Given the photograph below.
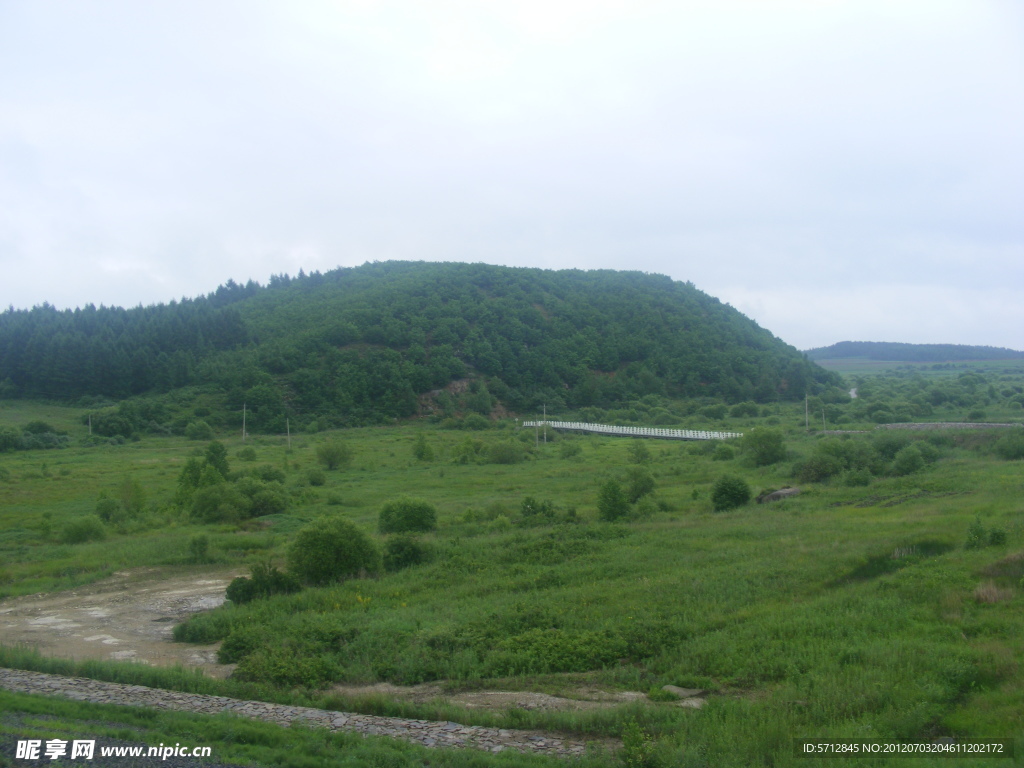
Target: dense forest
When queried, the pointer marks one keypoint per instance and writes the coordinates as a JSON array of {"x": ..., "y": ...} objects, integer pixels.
[
  {"x": 911, "y": 353},
  {"x": 368, "y": 343}
]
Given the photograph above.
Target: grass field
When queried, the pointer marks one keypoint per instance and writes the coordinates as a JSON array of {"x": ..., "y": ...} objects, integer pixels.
[{"x": 849, "y": 611}]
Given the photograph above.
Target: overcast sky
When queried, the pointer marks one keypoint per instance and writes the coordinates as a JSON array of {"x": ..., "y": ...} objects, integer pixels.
[{"x": 833, "y": 169}]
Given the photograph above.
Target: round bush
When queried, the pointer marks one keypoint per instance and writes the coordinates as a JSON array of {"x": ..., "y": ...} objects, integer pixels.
[
  {"x": 407, "y": 515},
  {"x": 83, "y": 530},
  {"x": 332, "y": 549},
  {"x": 404, "y": 551},
  {"x": 907, "y": 461},
  {"x": 316, "y": 476},
  {"x": 729, "y": 492}
]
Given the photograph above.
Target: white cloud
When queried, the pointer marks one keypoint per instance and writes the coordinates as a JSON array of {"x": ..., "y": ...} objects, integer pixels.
[{"x": 753, "y": 148}]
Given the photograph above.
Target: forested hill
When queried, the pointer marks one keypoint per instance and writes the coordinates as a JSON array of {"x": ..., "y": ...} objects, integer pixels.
[
  {"x": 911, "y": 353},
  {"x": 365, "y": 343}
]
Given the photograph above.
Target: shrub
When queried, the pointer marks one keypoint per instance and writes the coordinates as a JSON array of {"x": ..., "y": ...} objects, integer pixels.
[
  {"x": 316, "y": 477},
  {"x": 1011, "y": 445},
  {"x": 107, "y": 509},
  {"x": 569, "y": 449},
  {"x": 247, "y": 454},
  {"x": 421, "y": 450},
  {"x": 764, "y": 445},
  {"x": 218, "y": 503},
  {"x": 332, "y": 549},
  {"x": 404, "y": 551},
  {"x": 856, "y": 477},
  {"x": 714, "y": 412},
  {"x": 818, "y": 468},
  {"x": 996, "y": 537},
  {"x": 266, "y": 580},
  {"x": 504, "y": 453},
  {"x": 611, "y": 503},
  {"x": 199, "y": 549},
  {"x": 199, "y": 430},
  {"x": 532, "y": 509},
  {"x": 639, "y": 453},
  {"x": 744, "y": 409},
  {"x": 639, "y": 483},
  {"x": 82, "y": 530},
  {"x": 977, "y": 536},
  {"x": 723, "y": 452},
  {"x": 216, "y": 456},
  {"x": 908, "y": 461},
  {"x": 334, "y": 454},
  {"x": 475, "y": 421},
  {"x": 729, "y": 492},
  {"x": 406, "y": 515}
]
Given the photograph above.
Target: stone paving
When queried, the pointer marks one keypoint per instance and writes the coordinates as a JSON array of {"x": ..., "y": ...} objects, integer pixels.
[{"x": 429, "y": 733}]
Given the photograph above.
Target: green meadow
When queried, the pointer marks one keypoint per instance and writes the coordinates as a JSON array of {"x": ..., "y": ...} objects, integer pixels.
[{"x": 882, "y": 602}]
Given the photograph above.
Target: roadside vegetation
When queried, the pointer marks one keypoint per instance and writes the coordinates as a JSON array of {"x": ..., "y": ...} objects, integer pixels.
[{"x": 882, "y": 601}]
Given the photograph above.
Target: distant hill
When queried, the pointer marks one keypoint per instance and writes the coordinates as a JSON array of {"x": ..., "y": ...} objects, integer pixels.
[
  {"x": 911, "y": 353},
  {"x": 358, "y": 345}
]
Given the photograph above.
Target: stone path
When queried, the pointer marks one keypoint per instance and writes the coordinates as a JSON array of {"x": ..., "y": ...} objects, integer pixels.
[{"x": 426, "y": 732}]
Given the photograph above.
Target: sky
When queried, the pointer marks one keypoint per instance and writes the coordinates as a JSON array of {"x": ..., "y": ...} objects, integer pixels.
[{"x": 836, "y": 170}]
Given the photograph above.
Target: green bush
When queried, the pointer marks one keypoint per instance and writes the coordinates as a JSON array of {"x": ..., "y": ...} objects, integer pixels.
[
  {"x": 334, "y": 454},
  {"x": 723, "y": 452},
  {"x": 265, "y": 581},
  {"x": 199, "y": 430},
  {"x": 421, "y": 450},
  {"x": 82, "y": 530},
  {"x": 764, "y": 445},
  {"x": 475, "y": 421},
  {"x": 611, "y": 503},
  {"x": 247, "y": 454},
  {"x": 1011, "y": 445},
  {"x": 744, "y": 409},
  {"x": 639, "y": 483},
  {"x": 405, "y": 551},
  {"x": 729, "y": 492},
  {"x": 504, "y": 453},
  {"x": 856, "y": 477},
  {"x": 199, "y": 549},
  {"x": 407, "y": 515},
  {"x": 332, "y": 549},
  {"x": 316, "y": 477},
  {"x": 639, "y": 453},
  {"x": 219, "y": 503},
  {"x": 977, "y": 536},
  {"x": 818, "y": 468},
  {"x": 908, "y": 461},
  {"x": 569, "y": 449},
  {"x": 109, "y": 510}
]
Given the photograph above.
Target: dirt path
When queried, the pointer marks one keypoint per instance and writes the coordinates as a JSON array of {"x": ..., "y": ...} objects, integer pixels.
[{"x": 126, "y": 617}]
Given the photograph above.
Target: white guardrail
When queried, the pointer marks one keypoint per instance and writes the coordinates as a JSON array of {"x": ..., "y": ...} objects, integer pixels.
[{"x": 654, "y": 432}]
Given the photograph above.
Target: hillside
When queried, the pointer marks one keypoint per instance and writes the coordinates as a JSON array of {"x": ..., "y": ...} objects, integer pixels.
[
  {"x": 911, "y": 353},
  {"x": 367, "y": 343}
]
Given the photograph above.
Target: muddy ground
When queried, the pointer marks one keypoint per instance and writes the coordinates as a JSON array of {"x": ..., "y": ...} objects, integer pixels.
[{"x": 128, "y": 616}]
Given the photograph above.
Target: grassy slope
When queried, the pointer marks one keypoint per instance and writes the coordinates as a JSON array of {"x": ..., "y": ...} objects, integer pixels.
[{"x": 764, "y": 604}]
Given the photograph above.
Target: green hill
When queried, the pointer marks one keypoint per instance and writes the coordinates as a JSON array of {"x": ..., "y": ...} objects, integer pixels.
[
  {"x": 911, "y": 353},
  {"x": 365, "y": 344}
]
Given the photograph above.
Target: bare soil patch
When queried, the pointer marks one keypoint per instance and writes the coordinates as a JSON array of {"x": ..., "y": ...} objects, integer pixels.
[{"x": 127, "y": 617}]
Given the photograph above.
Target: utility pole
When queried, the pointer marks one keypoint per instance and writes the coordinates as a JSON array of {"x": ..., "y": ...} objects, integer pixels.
[
  {"x": 545, "y": 423},
  {"x": 90, "y": 425},
  {"x": 288, "y": 429},
  {"x": 243, "y": 422},
  {"x": 807, "y": 417},
  {"x": 823, "y": 418}
]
